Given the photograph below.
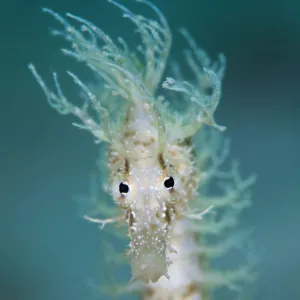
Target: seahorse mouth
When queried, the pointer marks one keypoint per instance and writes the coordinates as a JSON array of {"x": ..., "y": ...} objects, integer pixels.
[
  {"x": 149, "y": 266},
  {"x": 148, "y": 251}
]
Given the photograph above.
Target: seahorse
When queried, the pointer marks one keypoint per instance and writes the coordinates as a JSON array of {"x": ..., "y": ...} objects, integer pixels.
[{"x": 160, "y": 158}]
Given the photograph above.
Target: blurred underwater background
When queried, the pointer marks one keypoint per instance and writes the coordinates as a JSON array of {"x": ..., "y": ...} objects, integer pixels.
[{"x": 47, "y": 250}]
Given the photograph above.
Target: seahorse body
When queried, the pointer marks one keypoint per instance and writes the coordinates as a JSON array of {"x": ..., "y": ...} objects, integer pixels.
[
  {"x": 160, "y": 167},
  {"x": 160, "y": 180}
]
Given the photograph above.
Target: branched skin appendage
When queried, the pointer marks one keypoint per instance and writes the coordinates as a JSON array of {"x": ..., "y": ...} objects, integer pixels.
[{"x": 159, "y": 173}]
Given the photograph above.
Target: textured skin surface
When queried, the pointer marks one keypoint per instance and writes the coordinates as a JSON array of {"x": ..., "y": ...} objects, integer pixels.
[{"x": 185, "y": 271}]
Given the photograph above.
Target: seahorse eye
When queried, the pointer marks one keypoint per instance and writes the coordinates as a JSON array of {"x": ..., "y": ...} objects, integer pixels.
[
  {"x": 123, "y": 188},
  {"x": 169, "y": 182}
]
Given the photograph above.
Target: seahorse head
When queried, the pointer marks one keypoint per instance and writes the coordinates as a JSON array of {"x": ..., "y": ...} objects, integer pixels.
[{"x": 149, "y": 188}]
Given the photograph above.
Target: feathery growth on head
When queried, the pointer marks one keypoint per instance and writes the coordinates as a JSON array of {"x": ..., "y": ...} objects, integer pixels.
[{"x": 156, "y": 171}]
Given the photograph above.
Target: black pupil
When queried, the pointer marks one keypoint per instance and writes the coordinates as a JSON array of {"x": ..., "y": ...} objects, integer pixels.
[
  {"x": 169, "y": 183},
  {"x": 123, "y": 188}
]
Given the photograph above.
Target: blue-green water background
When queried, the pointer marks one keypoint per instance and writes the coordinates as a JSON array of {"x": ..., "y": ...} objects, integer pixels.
[{"x": 47, "y": 251}]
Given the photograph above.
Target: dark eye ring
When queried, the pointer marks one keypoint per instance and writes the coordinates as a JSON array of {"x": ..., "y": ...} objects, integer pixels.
[
  {"x": 169, "y": 182},
  {"x": 123, "y": 188}
]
